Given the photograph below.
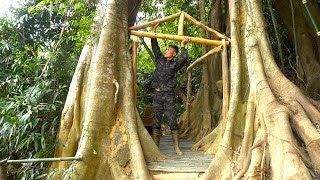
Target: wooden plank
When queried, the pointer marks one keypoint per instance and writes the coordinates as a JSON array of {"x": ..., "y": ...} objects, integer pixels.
[{"x": 189, "y": 162}]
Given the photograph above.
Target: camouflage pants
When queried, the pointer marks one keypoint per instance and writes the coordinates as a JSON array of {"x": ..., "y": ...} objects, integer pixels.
[{"x": 164, "y": 104}]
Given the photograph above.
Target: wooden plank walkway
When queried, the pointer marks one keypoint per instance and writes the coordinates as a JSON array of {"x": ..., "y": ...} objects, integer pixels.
[{"x": 189, "y": 162}]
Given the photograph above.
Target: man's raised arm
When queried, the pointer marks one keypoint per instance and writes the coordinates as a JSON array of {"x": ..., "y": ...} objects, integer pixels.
[
  {"x": 184, "y": 54},
  {"x": 155, "y": 46}
]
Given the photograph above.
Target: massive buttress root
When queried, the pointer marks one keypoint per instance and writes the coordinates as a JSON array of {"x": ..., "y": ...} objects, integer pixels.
[
  {"x": 272, "y": 127},
  {"x": 99, "y": 121}
]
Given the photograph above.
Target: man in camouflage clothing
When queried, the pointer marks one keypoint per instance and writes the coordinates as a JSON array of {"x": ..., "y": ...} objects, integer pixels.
[{"x": 164, "y": 83}]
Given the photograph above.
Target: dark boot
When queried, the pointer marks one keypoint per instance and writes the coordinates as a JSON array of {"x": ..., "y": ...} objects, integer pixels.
[
  {"x": 156, "y": 136},
  {"x": 175, "y": 137}
]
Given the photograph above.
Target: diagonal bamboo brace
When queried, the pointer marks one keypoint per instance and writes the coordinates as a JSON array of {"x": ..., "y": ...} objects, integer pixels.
[
  {"x": 204, "y": 27},
  {"x": 176, "y": 37},
  {"x": 204, "y": 57},
  {"x": 154, "y": 22}
]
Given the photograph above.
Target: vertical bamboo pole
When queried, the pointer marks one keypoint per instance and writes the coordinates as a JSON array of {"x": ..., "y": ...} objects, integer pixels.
[
  {"x": 180, "y": 26},
  {"x": 188, "y": 98},
  {"x": 134, "y": 67},
  {"x": 225, "y": 78}
]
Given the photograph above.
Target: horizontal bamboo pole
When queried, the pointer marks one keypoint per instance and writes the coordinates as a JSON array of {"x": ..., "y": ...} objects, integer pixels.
[
  {"x": 42, "y": 160},
  {"x": 204, "y": 57},
  {"x": 176, "y": 37},
  {"x": 180, "y": 26},
  {"x": 154, "y": 22},
  {"x": 204, "y": 27}
]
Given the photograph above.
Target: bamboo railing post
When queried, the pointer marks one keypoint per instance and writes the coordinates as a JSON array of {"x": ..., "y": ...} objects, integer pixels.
[
  {"x": 180, "y": 26},
  {"x": 134, "y": 67},
  {"x": 189, "y": 88},
  {"x": 177, "y": 38},
  {"x": 225, "y": 79},
  {"x": 154, "y": 22}
]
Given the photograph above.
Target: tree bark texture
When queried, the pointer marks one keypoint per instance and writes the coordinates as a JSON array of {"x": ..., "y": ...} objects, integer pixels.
[
  {"x": 99, "y": 121},
  {"x": 308, "y": 43},
  {"x": 272, "y": 128}
]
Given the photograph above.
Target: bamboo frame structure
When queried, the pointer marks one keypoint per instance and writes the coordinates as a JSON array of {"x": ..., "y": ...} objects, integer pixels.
[
  {"x": 189, "y": 70},
  {"x": 204, "y": 57},
  {"x": 204, "y": 27},
  {"x": 154, "y": 22},
  {"x": 225, "y": 81},
  {"x": 183, "y": 16},
  {"x": 180, "y": 26},
  {"x": 222, "y": 45},
  {"x": 176, "y": 37},
  {"x": 134, "y": 66}
]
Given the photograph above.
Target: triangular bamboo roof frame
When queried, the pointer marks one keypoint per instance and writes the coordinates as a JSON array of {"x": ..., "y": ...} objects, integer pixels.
[{"x": 179, "y": 37}]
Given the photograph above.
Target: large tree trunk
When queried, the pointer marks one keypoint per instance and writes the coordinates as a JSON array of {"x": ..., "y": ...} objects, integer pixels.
[
  {"x": 270, "y": 120},
  {"x": 99, "y": 121}
]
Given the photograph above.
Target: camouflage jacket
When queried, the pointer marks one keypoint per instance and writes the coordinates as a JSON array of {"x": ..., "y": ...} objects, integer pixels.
[{"x": 164, "y": 77}]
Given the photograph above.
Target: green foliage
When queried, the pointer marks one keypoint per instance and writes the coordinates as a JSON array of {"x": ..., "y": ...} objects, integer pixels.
[
  {"x": 287, "y": 45},
  {"x": 39, "y": 49}
]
